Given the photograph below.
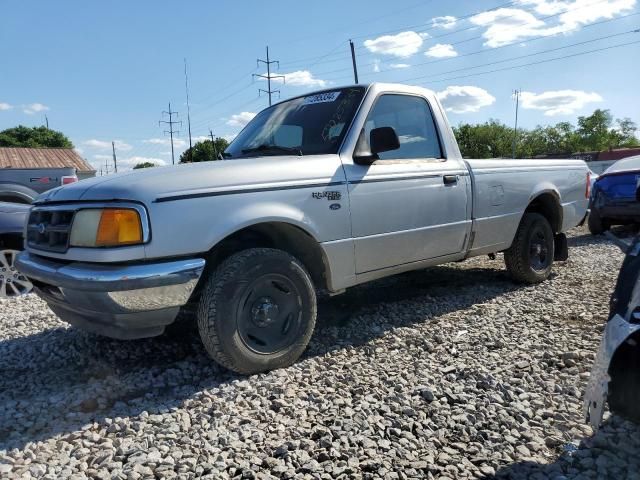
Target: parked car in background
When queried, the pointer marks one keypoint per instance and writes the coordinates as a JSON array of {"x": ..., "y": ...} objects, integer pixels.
[
  {"x": 615, "y": 376},
  {"x": 23, "y": 185},
  {"x": 322, "y": 191},
  {"x": 12, "y": 219},
  {"x": 613, "y": 198}
]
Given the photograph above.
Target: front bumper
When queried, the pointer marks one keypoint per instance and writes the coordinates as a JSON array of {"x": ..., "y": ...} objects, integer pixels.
[
  {"x": 616, "y": 332},
  {"x": 123, "y": 301}
]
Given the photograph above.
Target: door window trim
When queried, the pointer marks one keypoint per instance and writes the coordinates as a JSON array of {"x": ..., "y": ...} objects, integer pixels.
[{"x": 443, "y": 152}]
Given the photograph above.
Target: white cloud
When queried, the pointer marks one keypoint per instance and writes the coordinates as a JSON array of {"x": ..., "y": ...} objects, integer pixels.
[
  {"x": 399, "y": 65},
  {"x": 376, "y": 65},
  {"x": 558, "y": 102},
  {"x": 240, "y": 119},
  {"x": 103, "y": 157},
  {"x": 105, "y": 145},
  {"x": 32, "y": 108},
  {"x": 79, "y": 150},
  {"x": 402, "y": 45},
  {"x": 303, "y": 78},
  {"x": 299, "y": 78},
  {"x": 201, "y": 138},
  {"x": 446, "y": 22},
  {"x": 509, "y": 25},
  {"x": 441, "y": 50},
  {"x": 125, "y": 164},
  {"x": 229, "y": 137},
  {"x": 177, "y": 142},
  {"x": 465, "y": 99},
  {"x": 5, "y": 106}
]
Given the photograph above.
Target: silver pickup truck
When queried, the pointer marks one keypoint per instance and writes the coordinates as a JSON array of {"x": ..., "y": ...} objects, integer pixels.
[
  {"x": 317, "y": 193},
  {"x": 23, "y": 185}
]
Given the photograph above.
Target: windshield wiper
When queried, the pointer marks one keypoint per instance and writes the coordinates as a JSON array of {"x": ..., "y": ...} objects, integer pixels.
[{"x": 273, "y": 148}]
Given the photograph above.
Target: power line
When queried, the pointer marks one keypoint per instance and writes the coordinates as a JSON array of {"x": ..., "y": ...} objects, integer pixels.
[
  {"x": 519, "y": 57},
  {"x": 268, "y": 76},
  {"x": 171, "y": 131},
  {"x": 537, "y": 63},
  {"x": 491, "y": 49},
  {"x": 517, "y": 42}
]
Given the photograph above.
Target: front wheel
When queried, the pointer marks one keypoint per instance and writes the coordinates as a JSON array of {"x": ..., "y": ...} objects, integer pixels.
[
  {"x": 258, "y": 311},
  {"x": 530, "y": 257}
]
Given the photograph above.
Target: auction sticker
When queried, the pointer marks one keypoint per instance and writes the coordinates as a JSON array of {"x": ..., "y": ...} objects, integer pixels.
[{"x": 321, "y": 98}]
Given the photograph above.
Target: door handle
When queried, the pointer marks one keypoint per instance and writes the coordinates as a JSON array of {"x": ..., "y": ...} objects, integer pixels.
[{"x": 450, "y": 179}]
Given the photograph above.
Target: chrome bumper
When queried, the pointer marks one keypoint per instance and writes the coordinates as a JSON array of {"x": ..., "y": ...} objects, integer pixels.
[
  {"x": 616, "y": 332},
  {"x": 122, "y": 300}
]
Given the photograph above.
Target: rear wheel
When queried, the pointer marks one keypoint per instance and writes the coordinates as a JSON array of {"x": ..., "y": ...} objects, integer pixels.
[
  {"x": 596, "y": 224},
  {"x": 258, "y": 311},
  {"x": 530, "y": 257}
]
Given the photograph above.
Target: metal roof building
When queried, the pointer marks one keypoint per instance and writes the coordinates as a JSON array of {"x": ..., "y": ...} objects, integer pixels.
[{"x": 18, "y": 157}]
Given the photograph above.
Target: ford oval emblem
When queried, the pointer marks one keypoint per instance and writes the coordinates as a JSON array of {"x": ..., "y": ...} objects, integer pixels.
[
  {"x": 41, "y": 228},
  {"x": 335, "y": 206}
]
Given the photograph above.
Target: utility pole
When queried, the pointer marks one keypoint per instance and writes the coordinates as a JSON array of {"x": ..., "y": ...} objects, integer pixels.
[
  {"x": 46, "y": 120},
  {"x": 115, "y": 160},
  {"x": 186, "y": 88},
  {"x": 353, "y": 60},
  {"x": 268, "y": 76},
  {"x": 171, "y": 131},
  {"x": 213, "y": 142},
  {"x": 106, "y": 166},
  {"x": 516, "y": 93}
]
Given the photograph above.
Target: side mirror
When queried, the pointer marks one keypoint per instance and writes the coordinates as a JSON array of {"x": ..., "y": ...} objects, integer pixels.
[{"x": 381, "y": 139}]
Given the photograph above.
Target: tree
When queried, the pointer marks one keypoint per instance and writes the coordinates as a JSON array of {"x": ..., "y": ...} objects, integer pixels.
[
  {"x": 144, "y": 165},
  {"x": 34, "y": 137},
  {"x": 204, "y": 151},
  {"x": 491, "y": 139}
]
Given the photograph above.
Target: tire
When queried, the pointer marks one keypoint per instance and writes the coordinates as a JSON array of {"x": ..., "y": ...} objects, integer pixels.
[
  {"x": 530, "y": 257},
  {"x": 257, "y": 311},
  {"x": 12, "y": 282},
  {"x": 595, "y": 223}
]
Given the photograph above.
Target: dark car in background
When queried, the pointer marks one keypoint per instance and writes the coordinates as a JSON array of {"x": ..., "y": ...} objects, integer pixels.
[
  {"x": 613, "y": 199},
  {"x": 12, "y": 219}
]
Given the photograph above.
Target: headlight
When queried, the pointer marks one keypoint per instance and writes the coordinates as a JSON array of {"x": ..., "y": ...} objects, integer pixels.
[{"x": 106, "y": 227}]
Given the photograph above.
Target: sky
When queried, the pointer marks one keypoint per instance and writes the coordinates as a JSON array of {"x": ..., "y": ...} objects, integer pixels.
[{"x": 103, "y": 72}]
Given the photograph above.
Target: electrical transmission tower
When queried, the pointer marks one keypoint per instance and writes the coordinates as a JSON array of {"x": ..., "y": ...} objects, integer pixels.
[
  {"x": 268, "y": 76},
  {"x": 171, "y": 131}
]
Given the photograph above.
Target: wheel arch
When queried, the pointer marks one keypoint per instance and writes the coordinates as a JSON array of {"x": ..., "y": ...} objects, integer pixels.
[
  {"x": 281, "y": 235},
  {"x": 16, "y": 193},
  {"x": 547, "y": 203}
]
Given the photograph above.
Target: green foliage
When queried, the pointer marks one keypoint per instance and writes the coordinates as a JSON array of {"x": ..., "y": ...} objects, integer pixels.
[
  {"x": 593, "y": 133},
  {"x": 35, "y": 137},
  {"x": 144, "y": 165},
  {"x": 204, "y": 151}
]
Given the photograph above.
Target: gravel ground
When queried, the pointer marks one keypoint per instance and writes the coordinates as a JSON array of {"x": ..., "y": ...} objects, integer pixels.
[{"x": 453, "y": 372}]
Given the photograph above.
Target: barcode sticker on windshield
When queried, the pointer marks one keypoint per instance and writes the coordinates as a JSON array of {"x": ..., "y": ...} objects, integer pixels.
[{"x": 321, "y": 98}]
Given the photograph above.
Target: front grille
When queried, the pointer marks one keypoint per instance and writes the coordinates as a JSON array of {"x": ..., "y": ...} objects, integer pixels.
[{"x": 49, "y": 229}]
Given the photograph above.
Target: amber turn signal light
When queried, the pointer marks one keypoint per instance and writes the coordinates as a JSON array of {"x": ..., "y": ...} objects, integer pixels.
[{"x": 118, "y": 226}]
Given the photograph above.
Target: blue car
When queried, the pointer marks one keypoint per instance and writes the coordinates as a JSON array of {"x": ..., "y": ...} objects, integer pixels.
[{"x": 613, "y": 199}]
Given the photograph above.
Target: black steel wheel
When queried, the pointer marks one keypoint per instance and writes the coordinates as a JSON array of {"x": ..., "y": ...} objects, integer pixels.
[
  {"x": 530, "y": 257},
  {"x": 257, "y": 311}
]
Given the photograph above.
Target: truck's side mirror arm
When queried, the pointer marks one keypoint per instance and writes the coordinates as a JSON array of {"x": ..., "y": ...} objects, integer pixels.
[{"x": 381, "y": 139}]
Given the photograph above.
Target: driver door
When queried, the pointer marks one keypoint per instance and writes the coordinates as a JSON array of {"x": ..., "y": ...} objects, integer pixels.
[{"x": 411, "y": 204}]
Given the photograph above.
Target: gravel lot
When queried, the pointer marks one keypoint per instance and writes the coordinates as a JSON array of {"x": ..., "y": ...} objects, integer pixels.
[{"x": 453, "y": 372}]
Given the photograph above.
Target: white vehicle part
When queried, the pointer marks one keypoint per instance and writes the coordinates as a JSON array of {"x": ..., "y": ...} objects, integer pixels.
[{"x": 615, "y": 334}]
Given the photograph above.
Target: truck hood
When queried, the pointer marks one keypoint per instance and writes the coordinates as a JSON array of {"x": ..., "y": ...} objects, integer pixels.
[{"x": 149, "y": 184}]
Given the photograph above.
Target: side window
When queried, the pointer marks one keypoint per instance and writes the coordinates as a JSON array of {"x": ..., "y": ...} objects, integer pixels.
[{"x": 412, "y": 121}]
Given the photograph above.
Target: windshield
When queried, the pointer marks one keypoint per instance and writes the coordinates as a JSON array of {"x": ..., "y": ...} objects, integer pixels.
[{"x": 311, "y": 125}]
